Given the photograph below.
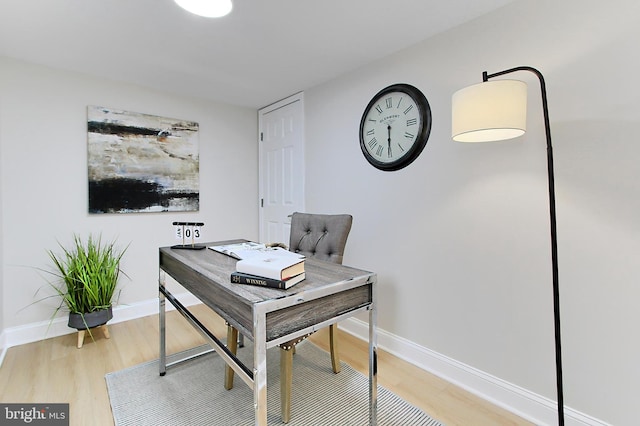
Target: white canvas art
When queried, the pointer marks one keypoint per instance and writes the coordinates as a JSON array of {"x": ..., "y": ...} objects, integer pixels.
[{"x": 141, "y": 163}]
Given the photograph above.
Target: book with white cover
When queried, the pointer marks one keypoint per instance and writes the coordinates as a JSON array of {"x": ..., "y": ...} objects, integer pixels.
[{"x": 275, "y": 263}]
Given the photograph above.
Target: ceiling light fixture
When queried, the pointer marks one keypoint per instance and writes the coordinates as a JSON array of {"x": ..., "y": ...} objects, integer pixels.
[{"x": 206, "y": 8}]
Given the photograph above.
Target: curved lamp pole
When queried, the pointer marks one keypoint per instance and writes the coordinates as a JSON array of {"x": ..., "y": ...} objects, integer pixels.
[{"x": 492, "y": 111}]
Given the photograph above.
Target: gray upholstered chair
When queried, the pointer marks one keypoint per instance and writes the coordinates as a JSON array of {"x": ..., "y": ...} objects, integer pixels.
[{"x": 323, "y": 237}]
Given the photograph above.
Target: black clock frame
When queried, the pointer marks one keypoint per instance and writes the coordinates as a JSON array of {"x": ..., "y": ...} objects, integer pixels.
[{"x": 423, "y": 134}]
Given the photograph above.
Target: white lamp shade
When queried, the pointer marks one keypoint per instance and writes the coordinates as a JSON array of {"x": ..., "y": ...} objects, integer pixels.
[
  {"x": 489, "y": 111},
  {"x": 206, "y": 8}
]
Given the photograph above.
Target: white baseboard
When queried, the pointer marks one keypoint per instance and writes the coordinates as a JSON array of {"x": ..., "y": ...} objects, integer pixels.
[
  {"x": 3, "y": 346},
  {"x": 526, "y": 404},
  {"x": 34, "y": 332}
]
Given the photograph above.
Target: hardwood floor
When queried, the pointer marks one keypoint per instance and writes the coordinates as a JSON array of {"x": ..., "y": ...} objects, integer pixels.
[{"x": 54, "y": 370}]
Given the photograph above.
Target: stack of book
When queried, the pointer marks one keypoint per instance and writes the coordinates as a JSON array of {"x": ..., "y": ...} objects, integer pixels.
[{"x": 269, "y": 267}]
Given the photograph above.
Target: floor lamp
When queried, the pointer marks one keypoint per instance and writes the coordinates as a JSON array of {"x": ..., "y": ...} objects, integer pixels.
[{"x": 497, "y": 110}]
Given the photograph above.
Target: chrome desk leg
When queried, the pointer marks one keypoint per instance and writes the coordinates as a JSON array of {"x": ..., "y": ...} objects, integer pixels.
[
  {"x": 162, "y": 319},
  {"x": 373, "y": 363},
  {"x": 260, "y": 365}
]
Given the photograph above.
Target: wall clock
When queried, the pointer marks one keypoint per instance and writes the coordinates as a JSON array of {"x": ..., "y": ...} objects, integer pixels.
[{"x": 395, "y": 127}]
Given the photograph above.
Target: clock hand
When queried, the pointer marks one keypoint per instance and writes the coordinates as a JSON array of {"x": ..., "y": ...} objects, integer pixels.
[{"x": 389, "y": 140}]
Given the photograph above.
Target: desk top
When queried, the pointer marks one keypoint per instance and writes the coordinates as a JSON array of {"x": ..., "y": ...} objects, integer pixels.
[{"x": 206, "y": 274}]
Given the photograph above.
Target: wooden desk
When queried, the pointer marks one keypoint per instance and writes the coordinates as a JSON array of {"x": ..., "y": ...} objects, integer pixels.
[{"x": 268, "y": 317}]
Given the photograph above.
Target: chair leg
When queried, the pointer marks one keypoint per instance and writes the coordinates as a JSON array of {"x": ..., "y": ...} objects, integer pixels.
[
  {"x": 333, "y": 342},
  {"x": 232, "y": 344},
  {"x": 286, "y": 366}
]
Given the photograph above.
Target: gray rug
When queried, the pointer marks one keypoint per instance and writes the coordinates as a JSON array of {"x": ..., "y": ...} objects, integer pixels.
[{"x": 193, "y": 394}]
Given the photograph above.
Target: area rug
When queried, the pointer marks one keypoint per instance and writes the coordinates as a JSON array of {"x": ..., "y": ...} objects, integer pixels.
[{"x": 193, "y": 394}]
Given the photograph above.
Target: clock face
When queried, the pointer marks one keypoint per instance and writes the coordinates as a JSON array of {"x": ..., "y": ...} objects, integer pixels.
[{"x": 395, "y": 127}]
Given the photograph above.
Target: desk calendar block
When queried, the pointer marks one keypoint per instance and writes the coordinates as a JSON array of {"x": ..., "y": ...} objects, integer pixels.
[{"x": 188, "y": 233}]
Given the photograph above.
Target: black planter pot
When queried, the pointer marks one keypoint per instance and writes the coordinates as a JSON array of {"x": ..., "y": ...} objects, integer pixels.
[{"x": 92, "y": 319}]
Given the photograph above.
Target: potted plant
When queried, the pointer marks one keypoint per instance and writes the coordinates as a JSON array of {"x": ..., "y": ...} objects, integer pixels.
[{"x": 87, "y": 278}]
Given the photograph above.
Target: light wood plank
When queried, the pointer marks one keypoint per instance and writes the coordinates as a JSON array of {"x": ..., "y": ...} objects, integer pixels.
[
  {"x": 437, "y": 397},
  {"x": 54, "y": 370}
]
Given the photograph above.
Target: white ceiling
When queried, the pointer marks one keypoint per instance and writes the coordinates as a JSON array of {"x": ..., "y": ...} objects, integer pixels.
[{"x": 263, "y": 51}]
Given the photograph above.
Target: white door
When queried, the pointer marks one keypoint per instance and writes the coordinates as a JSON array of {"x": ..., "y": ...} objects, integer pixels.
[{"x": 281, "y": 168}]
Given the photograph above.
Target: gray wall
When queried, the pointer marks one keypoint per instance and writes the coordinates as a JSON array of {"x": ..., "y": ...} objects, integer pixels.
[
  {"x": 460, "y": 238},
  {"x": 44, "y": 179},
  {"x": 2, "y": 343}
]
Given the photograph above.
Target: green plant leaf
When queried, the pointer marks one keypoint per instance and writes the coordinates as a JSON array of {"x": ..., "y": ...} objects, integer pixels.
[{"x": 87, "y": 274}]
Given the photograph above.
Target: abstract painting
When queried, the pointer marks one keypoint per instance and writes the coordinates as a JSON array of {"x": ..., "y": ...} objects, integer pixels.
[{"x": 141, "y": 163}]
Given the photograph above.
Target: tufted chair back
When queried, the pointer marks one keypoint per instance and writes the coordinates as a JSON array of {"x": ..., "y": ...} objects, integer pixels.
[{"x": 321, "y": 236}]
